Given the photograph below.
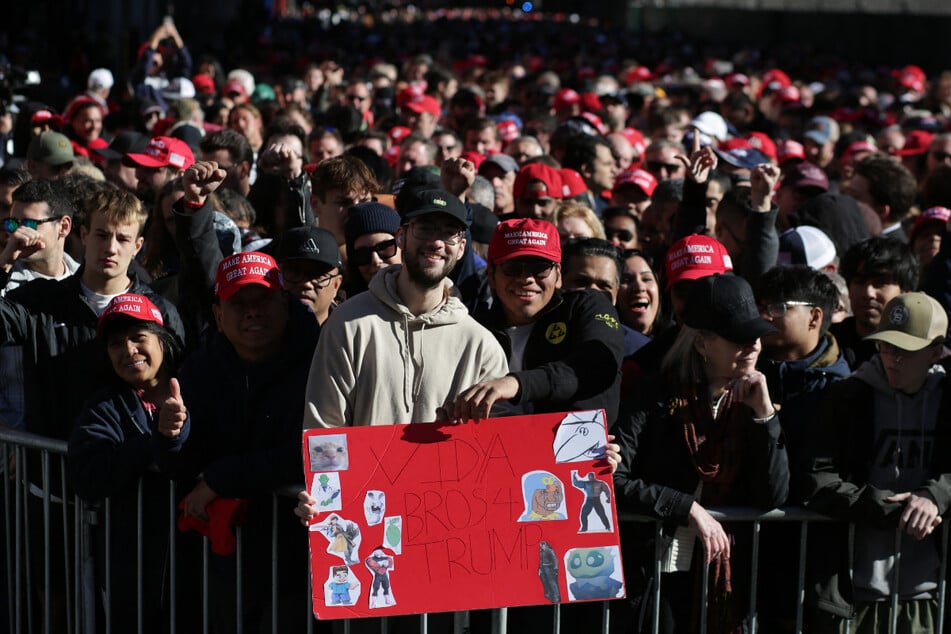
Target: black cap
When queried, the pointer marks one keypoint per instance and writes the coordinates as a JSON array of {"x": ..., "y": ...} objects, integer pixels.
[
  {"x": 126, "y": 142},
  {"x": 309, "y": 243},
  {"x": 418, "y": 201},
  {"x": 724, "y": 305}
]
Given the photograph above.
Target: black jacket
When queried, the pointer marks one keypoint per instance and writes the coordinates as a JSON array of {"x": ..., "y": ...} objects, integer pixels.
[
  {"x": 574, "y": 354},
  {"x": 62, "y": 361},
  {"x": 244, "y": 426}
]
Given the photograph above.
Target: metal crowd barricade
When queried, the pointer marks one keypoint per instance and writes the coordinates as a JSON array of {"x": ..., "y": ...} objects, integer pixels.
[{"x": 83, "y": 610}]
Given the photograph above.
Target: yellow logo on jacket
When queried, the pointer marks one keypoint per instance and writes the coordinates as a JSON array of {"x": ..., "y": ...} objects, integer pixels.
[
  {"x": 556, "y": 332},
  {"x": 607, "y": 320}
]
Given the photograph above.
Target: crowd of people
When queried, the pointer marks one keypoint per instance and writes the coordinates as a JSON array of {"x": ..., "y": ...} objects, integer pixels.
[{"x": 746, "y": 270}]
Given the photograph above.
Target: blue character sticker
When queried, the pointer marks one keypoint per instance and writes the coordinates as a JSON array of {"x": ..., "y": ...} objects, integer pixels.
[
  {"x": 594, "y": 573},
  {"x": 544, "y": 496}
]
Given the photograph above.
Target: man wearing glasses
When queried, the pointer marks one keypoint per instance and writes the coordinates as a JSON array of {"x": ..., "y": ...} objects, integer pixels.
[
  {"x": 40, "y": 219},
  {"x": 565, "y": 348},
  {"x": 801, "y": 358},
  {"x": 403, "y": 350},
  {"x": 310, "y": 263}
]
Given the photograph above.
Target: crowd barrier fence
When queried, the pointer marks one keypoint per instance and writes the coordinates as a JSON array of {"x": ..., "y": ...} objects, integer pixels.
[{"x": 82, "y": 609}]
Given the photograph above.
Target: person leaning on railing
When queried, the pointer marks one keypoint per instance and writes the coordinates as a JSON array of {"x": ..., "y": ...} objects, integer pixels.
[
  {"x": 879, "y": 454},
  {"x": 115, "y": 443},
  {"x": 703, "y": 432}
]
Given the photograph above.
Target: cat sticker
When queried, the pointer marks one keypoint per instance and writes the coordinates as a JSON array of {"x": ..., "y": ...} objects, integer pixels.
[{"x": 328, "y": 453}]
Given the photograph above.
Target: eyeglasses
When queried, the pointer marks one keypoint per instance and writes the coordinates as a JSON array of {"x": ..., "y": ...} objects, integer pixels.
[
  {"x": 425, "y": 231},
  {"x": 298, "y": 272},
  {"x": 325, "y": 280},
  {"x": 623, "y": 235},
  {"x": 538, "y": 269},
  {"x": 362, "y": 256},
  {"x": 779, "y": 309},
  {"x": 11, "y": 224}
]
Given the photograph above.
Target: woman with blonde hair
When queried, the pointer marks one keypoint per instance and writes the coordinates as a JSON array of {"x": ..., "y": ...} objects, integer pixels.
[
  {"x": 702, "y": 433},
  {"x": 576, "y": 220}
]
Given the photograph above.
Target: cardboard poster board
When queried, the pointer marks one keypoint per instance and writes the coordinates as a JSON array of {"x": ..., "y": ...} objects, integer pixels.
[{"x": 440, "y": 517}]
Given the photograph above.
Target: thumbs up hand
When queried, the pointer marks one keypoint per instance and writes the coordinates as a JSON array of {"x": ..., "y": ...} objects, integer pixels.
[{"x": 172, "y": 413}]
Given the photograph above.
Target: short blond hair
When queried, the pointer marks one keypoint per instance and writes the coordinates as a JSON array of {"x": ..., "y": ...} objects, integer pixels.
[
  {"x": 574, "y": 209},
  {"x": 118, "y": 206}
]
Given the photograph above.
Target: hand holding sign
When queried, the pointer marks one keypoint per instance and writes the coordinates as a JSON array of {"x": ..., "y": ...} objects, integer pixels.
[{"x": 172, "y": 413}]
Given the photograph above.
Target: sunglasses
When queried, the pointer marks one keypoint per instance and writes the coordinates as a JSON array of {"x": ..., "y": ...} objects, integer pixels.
[
  {"x": 657, "y": 166},
  {"x": 12, "y": 224},
  {"x": 362, "y": 256},
  {"x": 623, "y": 235},
  {"x": 779, "y": 309},
  {"x": 940, "y": 156},
  {"x": 538, "y": 269}
]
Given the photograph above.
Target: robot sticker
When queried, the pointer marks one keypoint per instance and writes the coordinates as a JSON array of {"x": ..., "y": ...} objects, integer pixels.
[
  {"x": 325, "y": 488},
  {"x": 581, "y": 436},
  {"x": 544, "y": 496},
  {"x": 341, "y": 588},
  {"x": 380, "y": 565},
  {"x": 328, "y": 453},
  {"x": 393, "y": 534},
  {"x": 344, "y": 537},
  {"x": 597, "y": 500},
  {"x": 374, "y": 506},
  {"x": 548, "y": 571},
  {"x": 594, "y": 573}
]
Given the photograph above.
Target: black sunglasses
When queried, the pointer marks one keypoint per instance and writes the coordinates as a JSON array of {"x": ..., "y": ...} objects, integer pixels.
[
  {"x": 623, "y": 235},
  {"x": 364, "y": 255},
  {"x": 12, "y": 224},
  {"x": 538, "y": 269}
]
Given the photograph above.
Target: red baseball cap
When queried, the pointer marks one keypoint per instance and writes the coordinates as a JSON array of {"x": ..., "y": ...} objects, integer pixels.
[
  {"x": 508, "y": 130},
  {"x": 857, "y": 148},
  {"x": 424, "y": 103},
  {"x": 162, "y": 151},
  {"x": 938, "y": 215},
  {"x": 696, "y": 256},
  {"x": 524, "y": 237},
  {"x": 761, "y": 141},
  {"x": 788, "y": 150},
  {"x": 636, "y": 138},
  {"x": 805, "y": 175},
  {"x": 537, "y": 180},
  {"x": 131, "y": 305},
  {"x": 565, "y": 97},
  {"x": 916, "y": 142},
  {"x": 234, "y": 86},
  {"x": 241, "y": 269},
  {"x": 476, "y": 158},
  {"x": 642, "y": 179},
  {"x": 397, "y": 133},
  {"x": 204, "y": 85},
  {"x": 571, "y": 182}
]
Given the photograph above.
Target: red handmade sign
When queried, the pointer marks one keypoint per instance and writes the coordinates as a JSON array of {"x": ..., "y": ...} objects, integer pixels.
[{"x": 439, "y": 517}]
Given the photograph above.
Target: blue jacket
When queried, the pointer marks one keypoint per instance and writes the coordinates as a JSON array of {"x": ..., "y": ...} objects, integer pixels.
[
  {"x": 113, "y": 443},
  {"x": 797, "y": 387}
]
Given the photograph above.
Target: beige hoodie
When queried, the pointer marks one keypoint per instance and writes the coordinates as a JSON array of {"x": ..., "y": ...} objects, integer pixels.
[{"x": 378, "y": 364}]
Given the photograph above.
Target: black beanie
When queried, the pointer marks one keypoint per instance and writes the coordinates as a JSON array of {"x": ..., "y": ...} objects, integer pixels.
[{"x": 371, "y": 217}]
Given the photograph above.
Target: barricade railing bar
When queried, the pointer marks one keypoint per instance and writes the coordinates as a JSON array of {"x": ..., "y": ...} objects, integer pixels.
[{"x": 83, "y": 603}]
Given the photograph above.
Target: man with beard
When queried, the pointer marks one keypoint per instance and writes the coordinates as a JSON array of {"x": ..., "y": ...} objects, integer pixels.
[{"x": 400, "y": 352}]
